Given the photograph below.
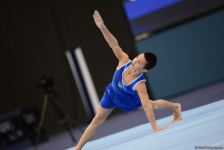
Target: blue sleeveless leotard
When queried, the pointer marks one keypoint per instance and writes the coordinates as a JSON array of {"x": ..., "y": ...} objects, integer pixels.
[{"x": 118, "y": 94}]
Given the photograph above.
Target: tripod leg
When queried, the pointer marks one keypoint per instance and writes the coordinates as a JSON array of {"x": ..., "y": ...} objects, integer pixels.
[
  {"x": 62, "y": 117},
  {"x": 43, "y": 112}
]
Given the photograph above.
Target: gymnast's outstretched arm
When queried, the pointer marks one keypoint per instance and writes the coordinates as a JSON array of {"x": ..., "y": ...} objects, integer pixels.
[{"x": 111, "y": 40}]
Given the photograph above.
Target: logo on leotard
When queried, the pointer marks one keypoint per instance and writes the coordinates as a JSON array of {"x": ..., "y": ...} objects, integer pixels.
[{"x": 120, "y": 85}]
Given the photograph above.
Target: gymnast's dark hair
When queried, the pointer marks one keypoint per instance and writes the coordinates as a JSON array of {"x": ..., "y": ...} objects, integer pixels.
[{"x": 151, "y": 60}]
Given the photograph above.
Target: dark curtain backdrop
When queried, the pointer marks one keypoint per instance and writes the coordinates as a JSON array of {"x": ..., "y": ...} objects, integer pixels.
[{"x": 34, "y": 37}]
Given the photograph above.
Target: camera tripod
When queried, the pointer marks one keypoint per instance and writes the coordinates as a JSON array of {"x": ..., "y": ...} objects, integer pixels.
[{"x": 49, "y": 97}]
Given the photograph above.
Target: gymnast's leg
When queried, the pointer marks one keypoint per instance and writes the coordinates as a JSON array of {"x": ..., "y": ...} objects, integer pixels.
[
  {"x": 97, "y": 121},
  {"x": 175, "y": 107}
]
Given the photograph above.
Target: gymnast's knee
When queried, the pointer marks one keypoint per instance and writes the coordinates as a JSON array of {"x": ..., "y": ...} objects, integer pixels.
[
  {"x": 154, "y": 104},
  {"x": 147, "y": 105},
  {"x": 97, "y": 121}
]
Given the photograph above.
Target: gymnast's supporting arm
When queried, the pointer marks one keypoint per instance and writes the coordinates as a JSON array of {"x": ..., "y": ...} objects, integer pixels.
[{"x": 148, "y": 106}]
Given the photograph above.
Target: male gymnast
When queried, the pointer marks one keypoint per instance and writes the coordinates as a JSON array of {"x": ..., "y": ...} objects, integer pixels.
[{"x": 127, "y": 90}]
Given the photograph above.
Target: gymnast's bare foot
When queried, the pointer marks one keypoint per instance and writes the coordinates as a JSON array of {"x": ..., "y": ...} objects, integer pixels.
[{"x": 177, "y": 113}]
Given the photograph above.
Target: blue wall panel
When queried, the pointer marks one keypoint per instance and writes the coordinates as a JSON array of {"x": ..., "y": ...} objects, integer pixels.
[{"x": 189, "y": 56}]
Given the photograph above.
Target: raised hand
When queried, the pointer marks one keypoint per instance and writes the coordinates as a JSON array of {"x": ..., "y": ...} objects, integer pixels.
[{"x": 98, "y": 19}]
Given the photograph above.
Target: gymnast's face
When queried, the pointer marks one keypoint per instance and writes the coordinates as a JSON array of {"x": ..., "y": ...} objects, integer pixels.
[{"x": 139, "y": 63}]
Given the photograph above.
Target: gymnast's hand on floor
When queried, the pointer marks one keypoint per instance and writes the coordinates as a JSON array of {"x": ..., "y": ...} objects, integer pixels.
[
  {"x": 98, "y": 19},
  {"x": 76, "y": 148},
  {"x": 161, "y": 128}
]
